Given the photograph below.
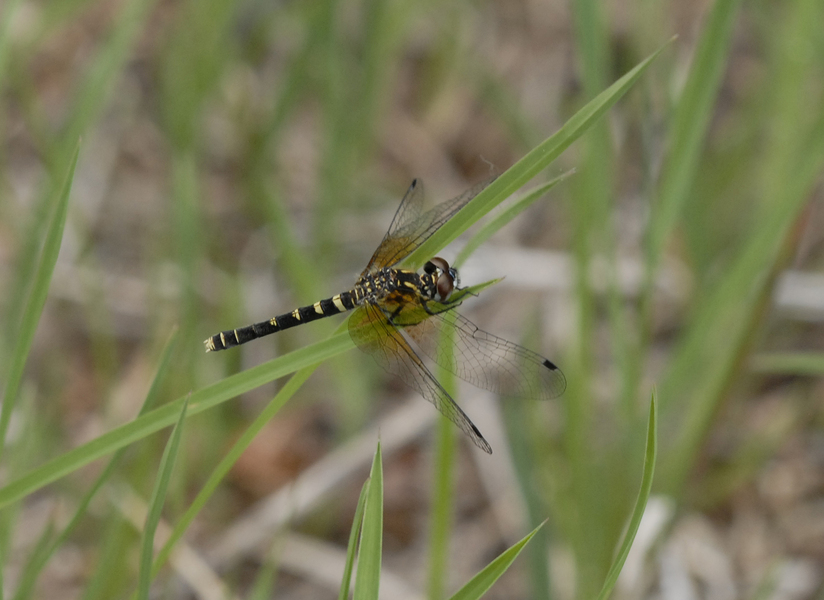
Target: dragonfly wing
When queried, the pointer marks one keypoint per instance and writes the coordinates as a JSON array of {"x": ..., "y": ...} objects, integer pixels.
[
  {"x": 373, "y": 334},
  {"x": 410, "y": 228},
  {"x": 408, "y": 212},
  {"x": 485, "y": 360}
]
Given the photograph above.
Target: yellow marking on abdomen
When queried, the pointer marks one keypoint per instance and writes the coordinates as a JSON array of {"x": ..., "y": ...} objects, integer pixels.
[
  {"x": 337, "y": 302},
  {"x": 273, "y": 321},
  {"x": 296, "y": 314},
  {"x": 317, "y": 308}
]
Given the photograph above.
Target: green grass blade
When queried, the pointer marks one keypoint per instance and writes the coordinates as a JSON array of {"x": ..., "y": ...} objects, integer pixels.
[
  {"x": 531, "y": 164},
  {"x": 591, "y": 41},
  {"x": 527, "y": 438},
  {"x": 443, "y": 502},
  {"x": 443, "y": 493},
  {"x": 38, "y": 557},
  {"x": 167, "y": 463},
  {"x": 263, "y": 586},
  {"x": 114, "y": 571},
  {"x": 789, "y": 363},
  {"x": 490, "y": 228},
  {"x": 33, "y": 569},
  {"x": 95, "y": 87},
  {"x": 231, "y": 457},
  {"x": 352, "y": 547},
  {"x": 37, "y": 299},
  {"x": 691, "y": 120},
  {"x": 368, "y": 577},
  {"x": 725, "y": 318},
  {"x": 480, "y": 584},
  {"x": 166, "y": 415},
  {"x": 6, "y": 18},
  {"x": 650, "y": 454}
]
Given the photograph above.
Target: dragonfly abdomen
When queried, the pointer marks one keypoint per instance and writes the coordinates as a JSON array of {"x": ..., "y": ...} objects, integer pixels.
[{"x": 305, "y": 314}]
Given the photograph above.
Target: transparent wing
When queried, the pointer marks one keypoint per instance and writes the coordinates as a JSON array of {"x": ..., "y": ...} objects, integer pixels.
[
  {"x": 484, "y": 360},
  {"x": 408, "y": 212},
  {"x": 373, "y": 334},
  {"x": 410, "y": 228}
]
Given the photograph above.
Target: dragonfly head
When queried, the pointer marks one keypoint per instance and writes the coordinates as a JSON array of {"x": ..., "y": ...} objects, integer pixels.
[{"x": 446, "y": 277}]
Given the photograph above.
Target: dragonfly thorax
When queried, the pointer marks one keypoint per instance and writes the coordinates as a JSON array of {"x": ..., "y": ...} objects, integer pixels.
[{"x": 437, "y": 282}]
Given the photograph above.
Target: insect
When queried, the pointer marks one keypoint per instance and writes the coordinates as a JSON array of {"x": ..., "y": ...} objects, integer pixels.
[{"x": 397, "y": 310}]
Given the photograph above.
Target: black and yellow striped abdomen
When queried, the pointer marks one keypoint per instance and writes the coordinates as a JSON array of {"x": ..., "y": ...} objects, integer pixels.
[
  {"x": 372, "y": 288},
  {"x": 305, "y": 314}
]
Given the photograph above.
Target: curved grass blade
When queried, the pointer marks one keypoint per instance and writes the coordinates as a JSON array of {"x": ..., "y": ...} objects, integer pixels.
[
  {"x": 480, "y": 584},
  {"x": 201, "y": 400},
  {"x": 650, "y": 454},
  {"x": 723, "y": 319},
  {"x": 39, "y": 560},
  {"x": 231, "y": 457},
  {"x": 690, "y": 122},
  {"x": 167, "y": 463},
  {"x": 352, "y": 547},
  {"x": 166, "y": 415},
  {"x": 37, "y": 299},
  {"x": 368, "y": 577},
  {"x": 530, "y": 165},
  {"x": 41, "y": 553},
  {"x": 506, "y": 216}
]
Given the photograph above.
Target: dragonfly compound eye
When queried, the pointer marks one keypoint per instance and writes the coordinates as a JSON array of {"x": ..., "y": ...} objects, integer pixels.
[
  {"x": 436, "y": 264},
  {"x": 445, "y": 286},
  {"x": 446, "y": 276}
]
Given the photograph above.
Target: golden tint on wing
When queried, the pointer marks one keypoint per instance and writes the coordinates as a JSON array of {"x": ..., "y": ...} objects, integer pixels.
[
  {"x": 390, "y": 248},
  {"x": 373, "y": 334},
  {"x": 394, "y": 243},
  {"x": 405, "y": 307},
  {"x": 409, "y": 228}
]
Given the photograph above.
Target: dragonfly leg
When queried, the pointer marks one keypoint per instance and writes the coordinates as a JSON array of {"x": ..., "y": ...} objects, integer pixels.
[
  {"x": 390, "y": 316},
  {"x": 445, "y": 308}
]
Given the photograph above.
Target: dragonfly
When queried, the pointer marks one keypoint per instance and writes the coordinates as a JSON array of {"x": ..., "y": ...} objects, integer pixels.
[{"x": 400, "y": 314}]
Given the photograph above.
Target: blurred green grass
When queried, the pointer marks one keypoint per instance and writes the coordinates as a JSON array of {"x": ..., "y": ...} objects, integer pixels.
[{"x": 213, "y": 105}]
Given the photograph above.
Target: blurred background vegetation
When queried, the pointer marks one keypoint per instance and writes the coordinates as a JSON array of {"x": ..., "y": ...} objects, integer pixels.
[{"x": 242, "y": 157}]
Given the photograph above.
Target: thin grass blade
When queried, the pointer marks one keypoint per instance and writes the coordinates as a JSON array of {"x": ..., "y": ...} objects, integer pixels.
[
  {"x": 37, "y": 299},
  {"x": 167, "y": 463},
  {"x": 368, "y": 576},
  {"x": 38, "y": 557},
  {"x": 352, "y": 547},
  {"x": 490, "y": 228},
  {"x": 224, "y": 466},
  {"x": 165, "y": 416},
  {"x": 691, "y": 120},
  {"x": 480, "y": 584},
  {"x": 650, "y": 454},
  {"x": 33, "y": 569},
  {"x": 530, "y": 165},
  {"x": 724, "y": 319},
  {"x": 443, "y": 492}
]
